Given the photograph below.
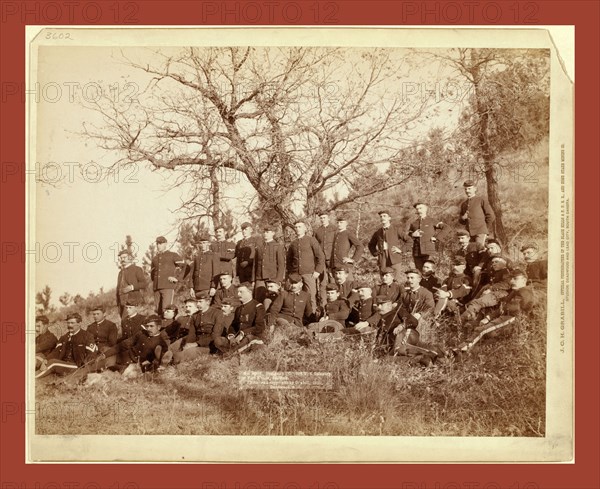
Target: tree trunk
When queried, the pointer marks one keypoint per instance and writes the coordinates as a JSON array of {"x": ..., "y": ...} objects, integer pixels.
[{"x": 215, "y": 208}]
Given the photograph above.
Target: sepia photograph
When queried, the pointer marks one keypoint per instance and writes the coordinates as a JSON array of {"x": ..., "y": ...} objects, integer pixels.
[{"x": 324, "y": 244}]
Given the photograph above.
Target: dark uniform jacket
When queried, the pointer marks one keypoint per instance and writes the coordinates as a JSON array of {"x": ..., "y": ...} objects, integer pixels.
[
  {"x": 431, "y": 282},
  {"x": 175, "y": 329},
  {"x": 45, "y": 343},
  {"x": 105, "y": 333},
  {"x": 481, "y": 215},
  {"x": 141, "y": 347},
  {"x": 459, "y": 285},
  {"x": 499, "y": 279},
  {"x": 325, "y": 237},
  {"x": 337, "y": 310},
  {"x": 394, "y": 237},
  {"x": 245, "y": 253},
  {"x": 164, "y": 265},
  {"x": 471, "y": 255},
  {"x": 131, "y": 275},
  {"x": 131, "y": 325},
  {"x": 305, "y": 256},
  {"x": 348, "y": 291},
  {"x": 79, "y": 348},
  {"x": 342, "y": 244},
  {"x": 225, "y": 250},
  {"x": 516, "y": 302},
  {"x": 204, "y": 271},
  {"x": 270, "y": 261},
  {"x": 249, "y": 318},
  {"x": 537, "y": 272},
  {"x": 391, "y": 291},
  {"x": 412, "y": 301},
  {"x": 385, "y": 325},
  {"x": 363, "y": 311},
  {"x": 208, "y": 325},
  {"x": 293, "y": 307},
  {"x": 430, "y": 228},
  {"x": 229, "y": 293}
]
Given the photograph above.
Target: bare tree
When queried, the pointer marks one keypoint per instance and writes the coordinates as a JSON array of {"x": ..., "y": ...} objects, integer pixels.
[{"x": 295, "y": 123}]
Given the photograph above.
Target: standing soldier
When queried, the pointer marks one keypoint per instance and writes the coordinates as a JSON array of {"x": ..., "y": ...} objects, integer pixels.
[
  {"x": 305, "y": 257},
  {"x": 245, "y": 253},
  {"x": 224, "y": 249},
  {"x": 204, "y": 270},
  {"x": 325, "y": 236},
  {"x": 343, "y": 241},
  {"x": 164, "y": 272},
  {"x": 386, "y": 244},
  {"x": 423, "y": 231},
  {"x": 270, "y": 262},
  {"x": 476, "y": 214},
  {"x": 131, "y": 281}
]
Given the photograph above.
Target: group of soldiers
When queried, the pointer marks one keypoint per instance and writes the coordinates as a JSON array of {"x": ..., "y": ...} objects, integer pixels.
[{"x": 239, "y": 293}]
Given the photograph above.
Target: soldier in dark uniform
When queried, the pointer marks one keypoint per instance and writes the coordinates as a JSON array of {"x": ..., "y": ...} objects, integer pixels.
[
  {"x": 245, "y": 254},
  {"x": 335, "y": 313},
  {"x": 207, "y": 322},
  {"x": 224, "y": 249},
  {"x": 415, "y": 301},
  {"x": 204, "y": 270},
  {"x": 131, "y": 281},
  {"x": 132, "y": 322},
  {"x": 491, "y": 293},
  {"x": 325, "y": 235},
  {"x": 424, "y": 234},
  {"x": 389, "y": 287},
  {"x": 428, "y": 277},
  {"x": 343, "y": 242},
  {"x": 483, "y": 271},
  {"x": 386, "y": 244},
  {"x": 226, "y": 289},
  {"x": 105, "y": 332},
  {"x": 182, "y": 334},
  {"x": 305, "y": 257},
  {"x": 248, "y": 324},
  {"x": 270, "y": 262},
  {"x": 75, "y": 349},
  {"x": 476, "y": 214},
  {"x": 45, "y": 341},
  {"x": 456, "y": 287},
  {"x": 146, "y": 347},
  {"x": 292, "y": 307},
  {"x": 345, "y": 286},
  {"x": 537, "y": 268},
  {"x": 387, "y": 321},
  {"x": 364, "y": 312},
  {"x": 273, "y": 290},
  {"x": 165, "y": 271},
  {"x": 468, "y": 250},
  {"x": 517, "y": 303}
]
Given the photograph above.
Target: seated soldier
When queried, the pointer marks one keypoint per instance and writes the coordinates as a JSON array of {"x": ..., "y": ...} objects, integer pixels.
[
  {"x": 145, "y": 348},
  {"x": 387, "y": 322},
  {"x": 132, "y": 322},
  {"x": 483, "y": 271},
  {"x": 76, "y": 349},
  {"x": 345, "y": 286},
  {"x": 336, "y": 312},
  {"x": 105, "y": 332},
  {"x": 273, "y": 289},
  {"x": 207, "y": 323},
  {"x": 226, "y": 289},
  {"x": 456, "y": 287},
  {"x": 490, "y": 294},
  {"x": 248, "y": 325},
  {"x": 389, "y": 287},
  {"x": 415, "y": 301},
  {"x": 45, "y": 341},
  {"x": 363, "y": 315},
  {"x": 469, "y": 251},
  {"x": 518, "y": 302},
  {"x": 179, "y": 332},
  {"x": 537, "y": 268},
  {"x": 428, "y": 277},
  {"x": 293, "y": 306}
]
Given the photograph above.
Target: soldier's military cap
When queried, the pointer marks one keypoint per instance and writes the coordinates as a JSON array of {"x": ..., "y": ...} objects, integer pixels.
[
  {"x": 419, "y": 203},
  {"x": 247, "y": 285},
  {"x": 153, "y": 318},
  {"x": 74, "y": 315},
  {"x": 518, "y": 273},
  {"x": 131, "y": 302},
  {"x": 322, "y": 212},
  {"x": 246, "y": 225},
  {"x": 469, "y": 183},
  {"x": 300, "y": 221},
  {"x": 385, "y": 211},
  {"x": 203, "y": 238},
  {"x": 227, "y": 301},
  {"x": 341, "y": 269},
  {"x": 459, "y": 260},
  {"x": 342, "y": 218},
  {"x": 463, "y": 232},
  {"x": 382, "y": 299},
  {"x": 161, "y": 239},
  {"x": 388, "y": 270},
  {"x": 295, "y": 278},
  {"x": 43, "y": 319},
  {"x": 363, "y": 285},
  {"x": 499, "y": 258},
  {"x": 171, "y": 307},
  {"x": 412, "y": 270},
  {"x": 331, "y": 287},
  {"x": 271, "y": 281},
  {"x": 225, "y": 273},
  {"x": 269, "y": 228},
  {"x": 492, "y": 241},
  {"x": 528, "y": 246},
  {"x": 202, "y": 295},
  {"x": 429, "y": 260}
]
